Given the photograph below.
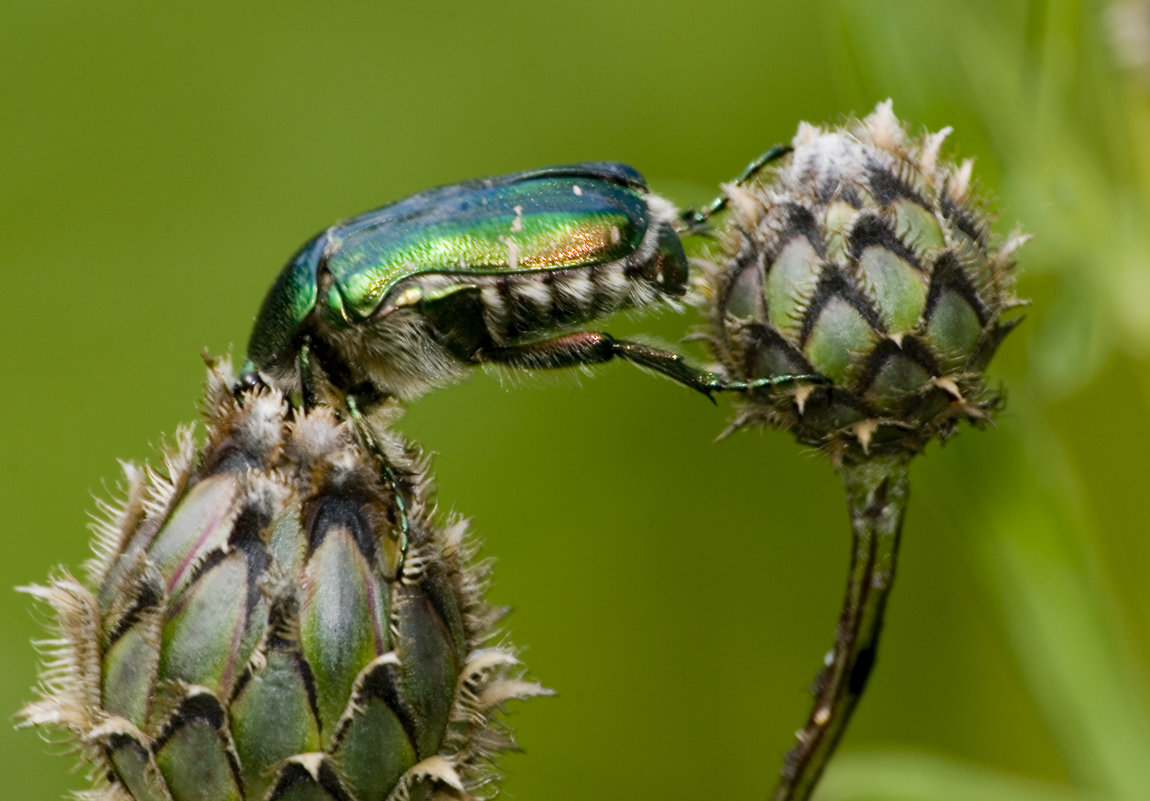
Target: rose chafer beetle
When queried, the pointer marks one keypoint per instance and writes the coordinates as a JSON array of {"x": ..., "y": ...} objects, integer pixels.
[
  {"x": 399, "y": 300},
  {"x": 402, "y": 299}
]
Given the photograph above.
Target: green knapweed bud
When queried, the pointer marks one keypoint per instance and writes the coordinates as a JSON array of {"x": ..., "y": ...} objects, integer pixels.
[
  {"x": 865, "y": 258},
  {"x": 247, "y": 631}
]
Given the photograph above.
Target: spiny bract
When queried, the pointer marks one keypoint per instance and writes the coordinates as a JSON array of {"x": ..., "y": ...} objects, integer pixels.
[
  {"x": 863, "y": 258},
  {"x": 251, "y": 635}
]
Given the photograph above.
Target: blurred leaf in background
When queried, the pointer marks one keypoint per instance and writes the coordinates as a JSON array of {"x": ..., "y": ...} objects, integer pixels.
[{"x": 161, "y": 161}]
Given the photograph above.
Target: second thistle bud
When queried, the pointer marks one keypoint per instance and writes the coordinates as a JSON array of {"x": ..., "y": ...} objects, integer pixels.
[
  {"x": 866, "y": 259},
  {"x": 250, "y": 631}
]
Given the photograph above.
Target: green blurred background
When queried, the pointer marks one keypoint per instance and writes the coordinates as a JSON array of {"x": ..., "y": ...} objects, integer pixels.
[{"x": 160, "y": 161}]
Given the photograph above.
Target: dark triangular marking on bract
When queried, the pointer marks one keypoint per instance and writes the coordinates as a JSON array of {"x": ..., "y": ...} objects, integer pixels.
[
  {"x": 149, "y": 596},
  {"x": 345, "y": 510},
  {"x": 281, "y": 618},
  {"x": 382, "y": 682},
  {"x": 203, "y": 566},
  {"x": 119, "y": 740},
  {"x": 833, "y": 284},
  {"x": 248, "y": 529},
  {"x": 888, "y": 349},
  {"x": 914, "y": 348},
  {"x": 800, "y": 221},
  {"x": 762, "y": 337},
  {"x": 256, "y": 563},
  {"x": 870, "y": 230},
  {"x": 948, "y": 274},
  {"x": 247, "y": 538},
  {"x": 329, "y": 781},
  {"x": 200, "y": 707},
  {"x": 293, "y": 774},
  {"x": 887, "y": 186}
]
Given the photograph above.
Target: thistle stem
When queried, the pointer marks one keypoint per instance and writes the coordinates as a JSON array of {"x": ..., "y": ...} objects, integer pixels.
[{"x": 877, "y": 490}]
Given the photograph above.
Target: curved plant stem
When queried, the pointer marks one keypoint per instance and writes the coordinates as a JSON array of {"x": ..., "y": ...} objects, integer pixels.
[{"x": 877, "y": 490}]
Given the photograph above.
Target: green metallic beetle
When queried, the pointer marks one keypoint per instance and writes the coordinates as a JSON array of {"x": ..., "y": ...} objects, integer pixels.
[{"x": 399, "y": 300}]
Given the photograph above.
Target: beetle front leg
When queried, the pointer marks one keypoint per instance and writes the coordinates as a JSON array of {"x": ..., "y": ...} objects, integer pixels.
[
  {"x": 676, "y": 367},
  {"x": 596, "y": 347},
  {"x": 696, "y": 220}
]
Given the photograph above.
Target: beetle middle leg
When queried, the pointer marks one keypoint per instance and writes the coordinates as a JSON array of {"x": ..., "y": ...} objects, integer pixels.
[
  {"x": 596, "y": 347},
  {"x": 396, "y": 549},
  {"x": 400, "y": 537}
]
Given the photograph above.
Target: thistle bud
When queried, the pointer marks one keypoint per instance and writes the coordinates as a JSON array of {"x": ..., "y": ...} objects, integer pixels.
[
  {"x": 249, "y": 630},
  {"x": 865, "y": 258}
]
